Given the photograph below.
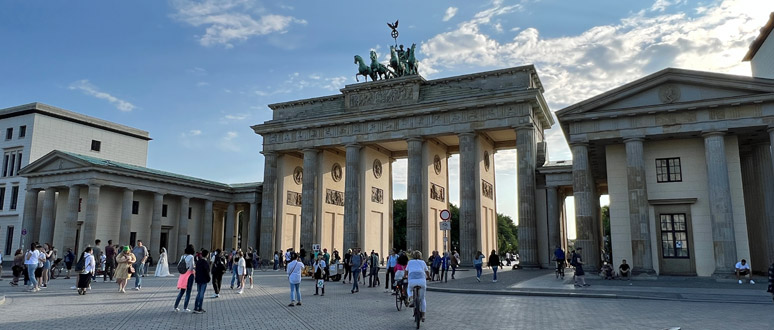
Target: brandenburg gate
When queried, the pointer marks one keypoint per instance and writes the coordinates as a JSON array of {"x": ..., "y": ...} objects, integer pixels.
[{"x": 328, "y": 171}]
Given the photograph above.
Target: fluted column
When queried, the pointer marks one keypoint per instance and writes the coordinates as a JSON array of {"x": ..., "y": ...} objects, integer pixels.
[
  {"x": 125, "y": 227},
  {"x": 526, "y": 158},
  {"x": 771, "y": 145},
  {"x": 308, "y": 200},
  {"x": 92, "y": 215},
  {"x": 352, "y": 197},
  {"x": 228, "y": 239},
  {"x": 206, "y": 225},
  {"x": 252, "y": 231},
  {"x": 30, "y": 213},
  {"x": 721, "y": 212},
  {"x": 761, "y": 157},
  {"x": 554, "y": 224},
  {"x": 268, "y": 200},
  {"x": 416, "y": 184},
  {"x": 47, "y": 218},
  {"x": 155, "y": 232},
  {"x": 182, "y": 223},
  {"x": 639, "y": 217},
  {"x": 71, "y": 221},
  {"x": 585, "y": 206},
  {"x": 469, "y": 239}
]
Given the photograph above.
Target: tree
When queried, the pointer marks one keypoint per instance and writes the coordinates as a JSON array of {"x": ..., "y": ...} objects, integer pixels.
[
  {"x": 399, "y": 224},
  {"x": 507, "y": 234}
]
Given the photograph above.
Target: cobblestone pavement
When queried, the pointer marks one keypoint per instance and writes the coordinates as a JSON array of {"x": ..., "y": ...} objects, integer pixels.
[{"x": 265, "y": 307}]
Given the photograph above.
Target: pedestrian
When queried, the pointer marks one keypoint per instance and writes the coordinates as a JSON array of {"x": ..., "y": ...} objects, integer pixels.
[
  {"x": 41, "y": 263},
  {"x": 455, "y": 262},
  {"x": 86, "y": 273},
  {"x": 494, "y": 262},
  {"x": 148, "y": 264},
  {"x": 373, "y": 279},
  {"x": 202, "y": 277},
  {"x": 186, "y": 279},
  {"x": 435, "y": 266},
  {"x": 141, "y": 255},
  {"x": 580, "y": 276},
  {"x": 124, "y": 268},
  {"x": 162, "y": 267},
  {"x": 478, "y": 263},
  {"x": 49, "y": 256},
  {"x": 218, "y": 268},
  {"x": 392, "y": 260},
  {"x": 110, "y": 261},
  {"x": 347, "y": 267},
  {"x": 69, "y": 259},
  {"x": 96, "y": 252},
  {"x": 327, "y": 259},
  {"x": 507, "y": 258},
  {"x": 249, "y": 263},
  {"x": 319, "y": 275},
  {"x": 31, "y": 259},
  {"x": 18, "y": 266},
  {"x": 294, "y": 278},
  {"x": 445, "y": 267},
  {"x": 302, "y": 253},
  {"x": 276, "y": 260},
  {"x": 366, "y": 265},
  {"x": 241, "y": 271},
  {"x": 235, "y": 268},
  {"x": 355, "y": 262}
]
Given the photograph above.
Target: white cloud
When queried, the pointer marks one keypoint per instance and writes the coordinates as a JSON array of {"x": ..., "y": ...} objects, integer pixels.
[
  {"x": 202, "y": 84},
  {"x": 89, "y": 89},
  {"x": 450, "y": 12},
  {"x": 335, "y": 83},
  {"x": 195, "y": 132},
  {"x": 226, "y": 21},
  {"x": 236, "y": 116},
  {"x": 576, "y": 67},
  {"x": 228, "y": 143}
]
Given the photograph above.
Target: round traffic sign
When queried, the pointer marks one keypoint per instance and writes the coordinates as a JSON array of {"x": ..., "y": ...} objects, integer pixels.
[{"x": 445, "y": 215}]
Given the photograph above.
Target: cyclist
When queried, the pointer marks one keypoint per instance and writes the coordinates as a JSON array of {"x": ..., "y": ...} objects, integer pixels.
[
  {"x": 559, "y": 257},
  {"x": 417, "y": 277},
  {"x": 400, "y": 273}
]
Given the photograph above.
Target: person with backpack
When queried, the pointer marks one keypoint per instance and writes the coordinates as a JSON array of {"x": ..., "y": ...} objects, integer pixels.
[
  {"x": 202, "y": 277},
  {"x": 186, "y": 268},
  {"x": 124, "y": 268},
  {"x": 218, "y": 268},
  {"x": 85, "y": 269}
]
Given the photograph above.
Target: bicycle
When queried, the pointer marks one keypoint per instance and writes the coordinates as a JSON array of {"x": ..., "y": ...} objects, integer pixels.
[
  {"x": 417, "y": 305},
  {"x": 559, "y": 268},
  {"x": 57, "y": 269},
  {"x": 400, "y": 297},
  {"x": 263, "y": 265}
]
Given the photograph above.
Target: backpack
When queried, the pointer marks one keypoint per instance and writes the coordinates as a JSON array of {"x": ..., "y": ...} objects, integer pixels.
[
  {"x": 81, "y": 265},
  {"x": 573, "y": 261},
  {"x": 181, "y": 266}
]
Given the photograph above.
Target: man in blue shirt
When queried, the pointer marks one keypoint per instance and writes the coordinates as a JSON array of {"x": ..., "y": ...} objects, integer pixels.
[
  {"x": 391, "y": 262},
  {"x": 559, "y": 257},
  {"x": 355, "y": 262}
]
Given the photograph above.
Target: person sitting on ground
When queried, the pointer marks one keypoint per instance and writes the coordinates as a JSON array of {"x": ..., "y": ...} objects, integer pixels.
[
  {"x": 743, "y": 269},
  {"x": 607, "y": 271},
  {"x": 624, "y": 270}
]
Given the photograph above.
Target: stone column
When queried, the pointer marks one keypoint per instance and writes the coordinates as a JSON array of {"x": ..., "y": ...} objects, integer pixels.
[
  {"x": 155, "y": 238},
  {"x": 182, "y": 226},
  {"x": 268, "y": 198},
  {"x": 308, "y": 200},
  {"x": 30, "y": 213},
  {"x": 228, "y": 239},
  {"x": 639, "y": 217},
  {"x": 469, "y": 243},
  {"x": 585, "y": 207},
  {"x": 416, "y": 183},
  {"x": 48, "y": 217},
  {"x": 71, "y": 221},
  {"x": 526, "y": 153},
  {"x": 126, "y": 217},
  {"x": 771, "y": 146},
  {"x": 252, "y": 228},
  {"x": 721, "y": 213},
  {"x": 206, "y": 226},
  {"x": 352, "y": 197},
  {"x": 92, "y": 215},
  {"x": 554, "y": 224}
]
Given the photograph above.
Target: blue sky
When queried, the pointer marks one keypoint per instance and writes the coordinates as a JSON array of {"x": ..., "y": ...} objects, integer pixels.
[{"x": 197, "y": 74}]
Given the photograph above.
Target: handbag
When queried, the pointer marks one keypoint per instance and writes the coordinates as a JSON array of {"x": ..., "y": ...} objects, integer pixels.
[
  {"x": 130, "y": 270},
  {"x": 320, "y": 283}
]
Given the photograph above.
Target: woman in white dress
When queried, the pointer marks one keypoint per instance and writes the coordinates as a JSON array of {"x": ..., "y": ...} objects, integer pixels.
[{"x": 162, "y": 267}]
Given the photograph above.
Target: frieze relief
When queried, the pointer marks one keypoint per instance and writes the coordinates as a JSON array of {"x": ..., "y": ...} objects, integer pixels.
[
  {"x": 381, "y": 97},
  {"x": 437, "y": 192},
  {"x": 487, "y": 190},
  {"x": 377, "y": 195},
  {"x": 334, "y": 197},
  {"x": 294, "y": 198}
]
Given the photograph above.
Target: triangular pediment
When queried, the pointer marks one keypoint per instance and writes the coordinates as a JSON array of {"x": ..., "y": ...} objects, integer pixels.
[
  {"x": 669, "y": 88},
  {"x": 54, "y": 161}
]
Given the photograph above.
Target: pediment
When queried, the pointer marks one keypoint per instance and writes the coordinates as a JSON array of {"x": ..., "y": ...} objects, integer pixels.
[
  {"x": 668, "y": 88},
  {"x": 54, "y": 161}
]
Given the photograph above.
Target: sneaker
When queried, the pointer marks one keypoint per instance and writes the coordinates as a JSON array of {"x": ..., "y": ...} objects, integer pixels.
[
  {"x": 196, "y": 311},
  {"x": 251, "y": 286},
  {"x": 298, "y": 303},
  {"x": 240, "y": 291},
  {"x": 494, "y": 281},
  {"x": 587, "y": 285},
  {"x": 137, "y": 288},
  {"x": 478, "y": 279},
  {"x": 187, "y": 310},
  {"x": 177, "y": 309},
  {"x": 291, "y": 304},
  {"x": 214, "y": 296},
  {"x": 73, "y": 288},
  {"x": 752, "y": 282},
  {"x": 202, "y": 311},
  {"x": 740, "y": 281}
]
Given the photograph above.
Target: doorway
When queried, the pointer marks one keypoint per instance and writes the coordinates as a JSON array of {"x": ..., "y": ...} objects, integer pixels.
[
  {"x": 164, "y": 240},
  {"x": 675, "y": 240}
]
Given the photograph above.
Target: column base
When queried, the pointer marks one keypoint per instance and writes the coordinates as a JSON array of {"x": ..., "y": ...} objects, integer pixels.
[{"x": 642, "y": 272}]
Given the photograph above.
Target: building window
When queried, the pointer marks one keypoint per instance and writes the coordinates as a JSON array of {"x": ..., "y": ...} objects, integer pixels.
[
  {"x": 96, "y": 145},
  {"x": 132, "y": 238},
  {"x": 14, "y": 197},
  {"x": 2, "y": 198},
  {"x": 674, "y": 236},
  {"x": 135, "y": 207},
  {"x": 18, "y": 162},
  {"x": 189, "y": 213},
  {"x": 22, "y": 131},
  {"x": 9, "y": 133},
  {"x": 668, "y": 170},
  {"x": 79, "y": 206},
  {"x": 12, "y": 162},
  {"x": 8, "y": 240},
  {"x": 164, "y": 210}
]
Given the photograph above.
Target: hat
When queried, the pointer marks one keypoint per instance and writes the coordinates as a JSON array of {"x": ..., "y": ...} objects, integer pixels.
[{"x": 126, "y": 248}]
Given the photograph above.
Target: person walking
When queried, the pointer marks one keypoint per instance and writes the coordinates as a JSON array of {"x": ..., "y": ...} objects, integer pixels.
[
  {"x": 241, "y": 271},
  {"x": 249, "y": 263},
  {"x": 577, "y": 261},
  {"x": 185, "y": 281},
  {"x": 455, "y": 262},
  {"x": 234, "y": 268},
  {"x": 436, "y": 267},
  {"x": 445, "y": 267},
  {"x": 327, "y": 259},
  {"x": 202, "y": 277},
  {"x": 18, "y": 266},
  {"x": 478, "y": 263},
  {"x": 373, "y": 279},
  {"x": 355, "y": 262},
  {"x": 96, "y": 252},
  {"x": 110, "y": 261},
  {"x": 31, "y": 259},
  {"x": 69, "y": 259},
  {"x": 347, "y": 267},
  {"x": 162, "y": 267},
  {"x": 494, "y": 262},
  {"x": 392, "y": 260},
  {"x": 319, "y": 275},
  {"x": 276, "y": 260},
  {"x": 141, "y": 255},
  {"x": 86, "y": 274},
  {"x": 294, "y": 278},
  {"x": 218, "y": 268},
  {"x": 124, "y": 268}
]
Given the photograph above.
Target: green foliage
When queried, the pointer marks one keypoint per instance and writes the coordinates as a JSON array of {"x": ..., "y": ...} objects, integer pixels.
[
  {"x": 399, "y": 224},
  {"x": 507, "y": 234}
]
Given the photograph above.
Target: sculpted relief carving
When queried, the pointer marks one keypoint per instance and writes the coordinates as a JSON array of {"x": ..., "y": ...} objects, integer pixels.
[
  {"x": 334, "y": 197},
  {"x": 487, "y": 189},
  {"x": 381, "y": 97},
  {"x": 669, "y": 93},
  {"x": 294, "y": 198},
  {"x": 377, "y": 195},
  {"x": 437, "y": 192}
]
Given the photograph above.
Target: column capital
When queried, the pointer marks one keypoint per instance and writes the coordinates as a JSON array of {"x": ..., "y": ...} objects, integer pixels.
[
  {"x": 94, "y": 184},
  {"x": 467, "y": 133},
  {"x": 638, "y": 138},
  {"x": 709, "y": 133},
  {"x": 579, "y": 144},
  {"x": 305, "y": 150},
  {"x": 268, "y": 153},
  {"x": 770, "y": 129},
  {"x": 415, "y": 138},
  {"x": 353, "y": 145},
  {"x": 524, "y": 126}
]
